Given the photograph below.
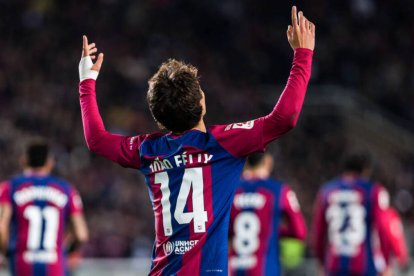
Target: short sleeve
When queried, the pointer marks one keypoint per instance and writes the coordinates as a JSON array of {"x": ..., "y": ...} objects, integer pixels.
[
  {"x": 5, "y": 196},
  {"x": 240, "y": 139},
  {"x": 381, "y": 198},
  {"x": 75, "y": 202},
  {"x": 289, "y": 200}
]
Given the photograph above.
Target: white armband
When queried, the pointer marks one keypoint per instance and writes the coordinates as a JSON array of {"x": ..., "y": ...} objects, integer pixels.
[{"x": 85, "y": 71}]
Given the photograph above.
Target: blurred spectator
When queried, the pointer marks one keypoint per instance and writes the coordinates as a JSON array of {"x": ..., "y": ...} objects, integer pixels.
[{"x": 239, "y": 46}]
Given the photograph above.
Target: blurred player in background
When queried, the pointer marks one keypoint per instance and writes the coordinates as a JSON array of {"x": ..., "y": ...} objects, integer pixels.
[
  {"x": 192, "y": 171},
  {"x": 349, "y": 221},
  {"x": 259, "y": 206},
  {"x": 36, "y": 211}
]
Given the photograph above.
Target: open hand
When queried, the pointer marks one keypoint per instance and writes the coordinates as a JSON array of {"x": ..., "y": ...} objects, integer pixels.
[
  {"x": 301, "y": 34},
  {"x": 88, "y": 69}
]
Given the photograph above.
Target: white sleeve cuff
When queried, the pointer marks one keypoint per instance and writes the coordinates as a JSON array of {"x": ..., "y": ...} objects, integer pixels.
[{"x": 85, "y": 71}]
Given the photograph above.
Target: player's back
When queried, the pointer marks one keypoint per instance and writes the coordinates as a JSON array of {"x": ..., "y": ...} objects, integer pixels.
[
  {"x": 41, "y": 206},
  {"x": 254, "y": 229},
  {"x": 347, "y": 214},
  {"x": 191, "y": 180}
]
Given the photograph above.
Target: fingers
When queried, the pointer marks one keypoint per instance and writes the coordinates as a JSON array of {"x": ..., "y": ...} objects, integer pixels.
[
  {"x": 93, "y": 50},
  {"x": 88, "y": 49},
  {"x": 294, "y": 17},
  {"x": 307, "y": 24},
  {"x": 289, "y": 32},
  {"x": 312, "y": 28},
  {"x": 98, "y": 64},
  {"x": 84, "y": 43},
  {"x": 302, "y": 20}
]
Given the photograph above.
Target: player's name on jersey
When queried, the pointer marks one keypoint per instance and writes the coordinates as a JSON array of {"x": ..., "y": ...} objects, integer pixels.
[
  {"x": 40, "y": 256},
  {"x": 345, "y": 196},
  {"x": 249, "y": 200},
  {"x": 28, "y": 194},
  {"x": 181, "y": 160},
  {"x": 178, "y": 247}
]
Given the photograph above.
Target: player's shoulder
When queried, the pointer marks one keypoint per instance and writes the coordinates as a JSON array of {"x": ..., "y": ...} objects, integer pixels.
[
  {"x": 276, "y": 186},
  {"x": 4, "y": 183},
  {"x": 329, "y": 186},
  {"x": 269, "y": 184},
  {"x": 60, "y": 182},
  {"x": 4, "y": 186},
  {"x": 142, "y": 138}
]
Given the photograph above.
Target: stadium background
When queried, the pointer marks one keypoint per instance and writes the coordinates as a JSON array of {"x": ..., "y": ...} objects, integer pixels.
[{"x": 361, "y": 95}]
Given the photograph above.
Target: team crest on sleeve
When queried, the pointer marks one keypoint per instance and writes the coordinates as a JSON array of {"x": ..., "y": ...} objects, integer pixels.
[
  {"x": 244, "y": 125},
  {"x": 131, "y": 142}
]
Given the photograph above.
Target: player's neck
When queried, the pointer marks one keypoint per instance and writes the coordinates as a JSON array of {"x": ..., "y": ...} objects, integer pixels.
[
  {"x": 350, "y": 176},
  {"x": 259, "y": 173},
  {"x": 200, "y": 127},
  {"x": 42, "y": 171}
]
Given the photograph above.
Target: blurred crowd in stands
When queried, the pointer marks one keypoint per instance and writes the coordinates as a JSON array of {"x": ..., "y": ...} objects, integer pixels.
[{"x": 238, "y": 45}]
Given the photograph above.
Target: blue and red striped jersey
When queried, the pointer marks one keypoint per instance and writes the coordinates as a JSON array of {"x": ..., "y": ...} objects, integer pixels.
[
  {"x": 192, "y": 177},
  {"x": 191, "y": 180},
  {"x": 255, "y": 226},
  {"x": 41, "y": 208},
  {"x": 348, "y": 226}
]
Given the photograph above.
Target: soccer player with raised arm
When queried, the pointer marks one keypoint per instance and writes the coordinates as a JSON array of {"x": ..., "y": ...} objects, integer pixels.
[
  {"x": 349, "y": 227},
  {"x": 36, "y": 212},
  {"x": 259, "y": 207},
  {"x": 193, "y": 170}
]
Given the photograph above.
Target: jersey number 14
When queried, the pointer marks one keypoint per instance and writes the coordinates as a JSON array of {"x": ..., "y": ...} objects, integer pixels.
[{"x": 192, "y": 178}]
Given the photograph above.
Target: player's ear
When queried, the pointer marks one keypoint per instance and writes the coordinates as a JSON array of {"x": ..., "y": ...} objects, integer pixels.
[
  {"x": 203, "y": 103},
  {"x": 50, "y": 163}
]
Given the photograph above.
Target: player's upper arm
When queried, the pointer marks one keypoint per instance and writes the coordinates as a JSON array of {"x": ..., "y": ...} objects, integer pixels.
[
  {"x": 240, "y": 139},
  {"x": 291, "y": 209},
  {"x": 5, "y": 214},
  {"x": 77, "y": 219},
  {"x": 79, "y": 227},
  {"x": 123, "y": 150},
  {"x": 319, "y": 226},
  {"x": 381, "y": 203}
]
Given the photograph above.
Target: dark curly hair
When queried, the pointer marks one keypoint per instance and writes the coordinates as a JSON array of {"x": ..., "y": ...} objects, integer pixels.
[{"x": 174, "y": 96}]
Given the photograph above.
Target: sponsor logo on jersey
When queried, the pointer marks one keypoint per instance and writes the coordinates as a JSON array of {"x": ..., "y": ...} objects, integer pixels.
[
  {"x": 178, "y": 247},
  {"x": 168, "y": 248}
]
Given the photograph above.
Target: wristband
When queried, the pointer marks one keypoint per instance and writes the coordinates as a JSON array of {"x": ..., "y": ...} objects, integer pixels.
[{"x": 85, "y": 71}]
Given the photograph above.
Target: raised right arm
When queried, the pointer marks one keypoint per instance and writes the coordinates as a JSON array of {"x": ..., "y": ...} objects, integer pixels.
[{"x": 120, "y": 149}]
